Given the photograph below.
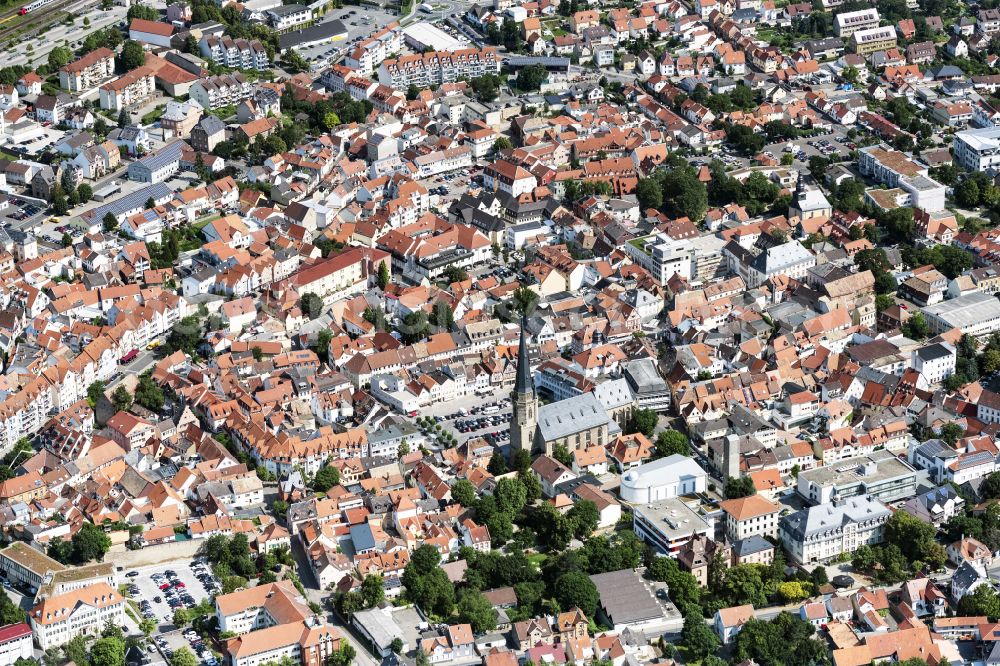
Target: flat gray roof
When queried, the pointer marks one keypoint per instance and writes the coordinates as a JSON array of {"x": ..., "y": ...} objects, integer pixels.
[
  {"x": 878, "y": 466},
  {"x": 625, "y": 598}
]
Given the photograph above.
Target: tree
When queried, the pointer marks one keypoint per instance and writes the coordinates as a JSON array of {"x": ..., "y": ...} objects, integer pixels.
[
  {"x": 85, "y": 192},
  {"x": 331, "y": 120},
  {"x": 90, "y": 543},
  {"x": 397, "y": 645},
  {"x": 739, "y": 487},
  {"x": 132, "y": 56},
  {"x": 916, "y": 539},
  {"x": 94, "y": 393},
  {"x": 148, "y": 394},
  {"x": 531, "y": 77},
  {"x": 562, "y": 454},
  {"x": 984, "y": 600},
  {"x": 671, "y": 442},
  {"x": 58, "y": 57},
  {"x": 60, "y": 204},
  {"x": 792, "y": 591},
  {"x": 684, "y": 195},
  {"x": 311, "y": 305},
  {"x": 644, "y": 421},
  {"x": 344, "y": 656},
  {"x": 66, "y": 240},
  {"x": 414, "y": 327},
  {"x": 9, "y": 612},
  {"x": 373, "y": 590},
  {"x": 464, "y": 493},
  {"x": 486, "y": 87},
  {"x": 575, "y": 589},
  {"x": 696, "y": 636},
  {"x": 787, "y": 640},
  {"x": 326, "y": 478},
  {"x": 183, "y": 657},
  {"x": 497, "y": 464},
  {"x": 915, "y": 327},
  {"x": 383, "y": 275},
  {"x": 121, "y": 399},
  {"x": 476, "y": 610},
  {"x": 502, "y": 143},
  {"x": 108, "y": 652},
  {"x": 649, "y": 194},
  {"x": 294, "y": 61},
  {"x": 110, "y": 222},
  {"x": 584, "y": 518}
]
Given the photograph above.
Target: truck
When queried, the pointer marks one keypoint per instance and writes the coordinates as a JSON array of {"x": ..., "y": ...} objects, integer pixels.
[{"x": 129, "y": 356}]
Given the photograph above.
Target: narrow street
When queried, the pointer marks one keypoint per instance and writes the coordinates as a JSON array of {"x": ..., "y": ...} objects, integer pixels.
[{"x": 314, "y": 594}]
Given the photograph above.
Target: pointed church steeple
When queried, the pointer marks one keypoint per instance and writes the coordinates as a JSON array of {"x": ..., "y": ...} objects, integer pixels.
[
  {"x": 524, "y": 404},
  {"x": 524, "y": 383}
]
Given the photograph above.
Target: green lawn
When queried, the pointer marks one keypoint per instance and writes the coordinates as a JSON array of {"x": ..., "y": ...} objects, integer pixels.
[{"x": 538, "y": 559}]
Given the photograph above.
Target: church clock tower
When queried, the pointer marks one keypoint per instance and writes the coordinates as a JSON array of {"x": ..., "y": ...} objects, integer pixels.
[{"x": 524, "y": 404}]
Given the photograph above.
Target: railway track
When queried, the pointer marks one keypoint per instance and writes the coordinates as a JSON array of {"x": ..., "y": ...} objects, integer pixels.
[{"x": 12, "y": 22}]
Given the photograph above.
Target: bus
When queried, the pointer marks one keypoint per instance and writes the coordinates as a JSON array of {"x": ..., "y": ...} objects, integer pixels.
[{"x": 129, "y": 357}]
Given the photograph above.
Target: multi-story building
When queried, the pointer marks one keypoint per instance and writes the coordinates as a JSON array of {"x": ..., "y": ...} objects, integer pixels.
[
  {"x": 667, "y": 525},
  {"x": 662, "y": 256},
  {"x": 881, "y": 476},
  {"x": 750, "y": 516},
  {"x": 846, "y": 24},
  {"x": 988, "y": 21},
  {"x": 131, "y": 88},
  {"x": 15, "y": 644},
  {"x": 26, "y": 566},
  {"x": 437, "y": 67},
  {"x": 215, "y": 92},
  {"x": 373, "y": 50},
  {"x": 307, "y": 643},
  {"x": 825, "y": 532},
  {"x": 978, "y": 149},
  {"x": 159, "y": 166},
  {"x": 235, "y": 53},
  {"x": 508, "y": 177},
  {"x": 288, "y": 17},
  {"x": 260, "y": 607},
  {"x": 871, "y": 40},
  {"x": 88, "y": 71},
  {"x": 896, "y": 170},
  {"x": 976, "y": 314},
  {"x": 57, "y": 620}
]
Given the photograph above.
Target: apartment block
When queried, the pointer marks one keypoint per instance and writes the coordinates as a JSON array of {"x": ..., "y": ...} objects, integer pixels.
[
  {"x": 236, "y": 53},
  {"x": 848, "y": 23},
  {"x": 88, "y": 71},
  {"x": 131, "y": 88},
  {"x": 870, "y": 40},
  {"x": 437, "y": 67},
  {"x": 216, "y": 92}
]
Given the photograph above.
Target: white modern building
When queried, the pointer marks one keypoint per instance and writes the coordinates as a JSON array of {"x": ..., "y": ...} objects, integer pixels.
[
  {"x": 978, "y": 149},
  {"x": 881, "y": 476},
  {"x": 663, "y": 479},
  {"x": 662, "y": 256},
  {"x": 846, "y": 24}
]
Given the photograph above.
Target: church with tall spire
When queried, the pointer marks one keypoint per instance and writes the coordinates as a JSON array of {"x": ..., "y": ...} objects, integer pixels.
[{"x": 524, "y": 402}]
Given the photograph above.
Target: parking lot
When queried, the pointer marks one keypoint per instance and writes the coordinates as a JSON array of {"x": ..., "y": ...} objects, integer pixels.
[
  {"x": 165, "y": 588},
  {"x": 474, "y": 422},
  {"x": 360, "y": 23}
]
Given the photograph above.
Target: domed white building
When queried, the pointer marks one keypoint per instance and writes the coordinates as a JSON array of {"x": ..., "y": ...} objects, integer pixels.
[{"x": 663, "y": 479}]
